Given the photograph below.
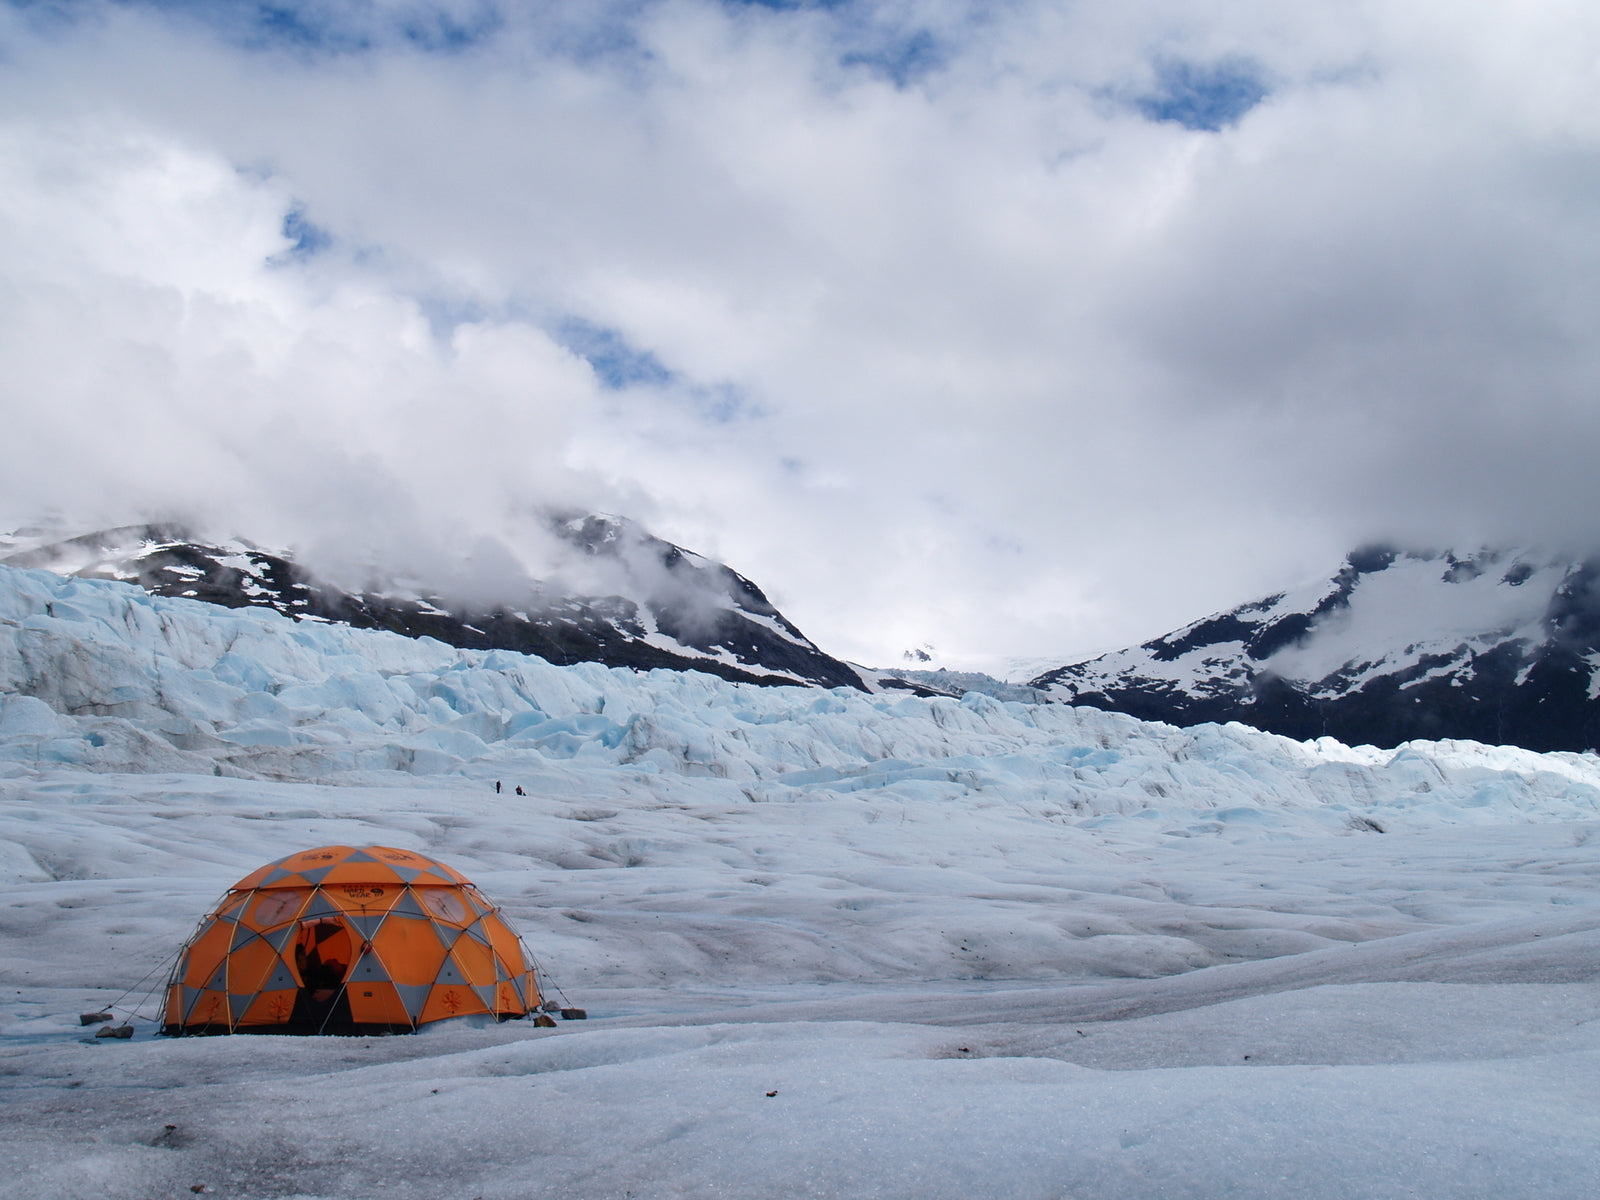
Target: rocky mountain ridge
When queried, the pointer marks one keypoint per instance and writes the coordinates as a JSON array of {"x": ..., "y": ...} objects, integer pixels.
[
  {"x": 681, "y": 611},
  {"x": 1498, "y": 646}
]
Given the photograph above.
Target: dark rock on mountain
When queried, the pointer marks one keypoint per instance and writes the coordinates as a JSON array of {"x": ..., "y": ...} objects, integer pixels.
[
  {"x": 683, "y": 612},
  {"x": 1497, "y": 647}
]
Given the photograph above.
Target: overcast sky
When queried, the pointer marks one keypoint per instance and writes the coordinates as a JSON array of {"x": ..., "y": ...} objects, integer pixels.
[{"x": 1006, "y": 328}]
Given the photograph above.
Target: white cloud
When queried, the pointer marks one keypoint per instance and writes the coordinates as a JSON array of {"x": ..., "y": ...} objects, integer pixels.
[
  {"x": 987, "y": 360},
  {"x": 163, "y": 357}
]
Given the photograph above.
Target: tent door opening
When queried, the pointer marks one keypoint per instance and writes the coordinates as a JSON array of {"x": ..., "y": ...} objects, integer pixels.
[{"x": 323, "y": 953}]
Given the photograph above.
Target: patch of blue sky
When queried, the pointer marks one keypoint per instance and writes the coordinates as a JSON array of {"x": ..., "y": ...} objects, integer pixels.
[
  {"x": 286, "y": 25},
  {"x": 306, "y": 238},
  {"x": 786, "y": 5},
  {"x": 316, "y": 28},
  {"x": 603, "y": 33},
  {"x": 439, "y": 32},
  {"x": 300, "y": 27},
  {"x": 1203, "y": 97},
  {"x": 724, "y": 404},
  {"x": 446, "y": 314},
  {"x": 44, "y": 15},
  {"x": 903, "y": 58},
  {"x": 616, "y": 363},
  {"x": 869, "y": 38}
]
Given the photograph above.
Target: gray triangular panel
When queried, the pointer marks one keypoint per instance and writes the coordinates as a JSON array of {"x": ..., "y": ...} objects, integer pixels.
[
  {"x": 367, "y": 926},
  {"x": 320, "y": 906},
  {"x": 408, "y": 906},
  {"x": 361, "y": 856},
  {"x": 413, "y": 996},
  {"x": 280, "y": 978},
  {"x": 369, "y": 970},
  {"x": 317, "y": 874},
  {"x": 280, "y": 874},
  {"x": 279, "y": 938}
]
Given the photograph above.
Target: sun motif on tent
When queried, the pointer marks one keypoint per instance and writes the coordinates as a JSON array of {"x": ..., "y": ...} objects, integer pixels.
[{"x": 344, "y": 939}]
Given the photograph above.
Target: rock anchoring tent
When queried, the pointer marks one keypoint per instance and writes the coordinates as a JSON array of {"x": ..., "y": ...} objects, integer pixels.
[{"x": 349, "y": 940}]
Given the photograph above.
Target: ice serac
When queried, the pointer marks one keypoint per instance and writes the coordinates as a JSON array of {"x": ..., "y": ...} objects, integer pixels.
[
  {"x": 674, "y": 609},
  {"x": 1498, "y": 646}
]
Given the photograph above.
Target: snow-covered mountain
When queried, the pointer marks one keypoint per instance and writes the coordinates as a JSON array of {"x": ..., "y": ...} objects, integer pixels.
[
  {"x": 1499, "y": 647},
  {"x": 670, "y": 608}
]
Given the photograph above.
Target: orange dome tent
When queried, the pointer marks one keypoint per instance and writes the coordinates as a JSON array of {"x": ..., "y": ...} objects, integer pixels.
[{"x": 349, "y": 940}]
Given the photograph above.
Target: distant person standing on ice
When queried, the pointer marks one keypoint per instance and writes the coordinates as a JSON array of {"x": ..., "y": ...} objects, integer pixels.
[{"x": 496, "y": 787}]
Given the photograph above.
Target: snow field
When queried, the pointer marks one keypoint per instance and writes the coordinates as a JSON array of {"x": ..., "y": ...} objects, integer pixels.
[{"x": 975, "y": 948}]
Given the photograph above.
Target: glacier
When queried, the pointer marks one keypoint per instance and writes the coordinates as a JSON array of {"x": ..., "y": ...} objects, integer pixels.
[{"x": 831, "y": 943}]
